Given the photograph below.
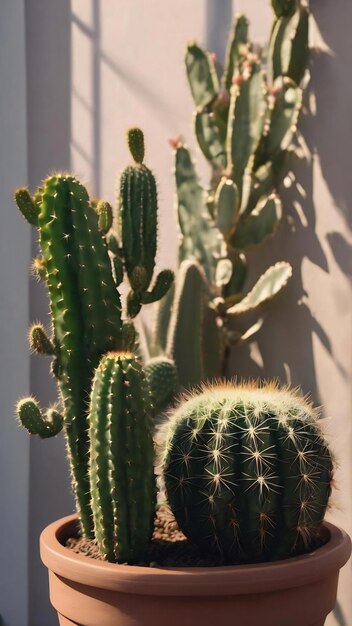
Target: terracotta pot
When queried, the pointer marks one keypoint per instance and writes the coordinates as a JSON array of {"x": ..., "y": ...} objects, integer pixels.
[{"x": 299, "y": 591}]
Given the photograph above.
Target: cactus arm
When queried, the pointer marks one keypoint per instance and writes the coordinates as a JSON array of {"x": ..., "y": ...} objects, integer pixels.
[
  {"x": 288, "y": 50},
  {"x": 184, "y": 340},
  {"x": 201, "y": 74},
  {"x": 259, "y": 224},
  {"x": 275, "y": 45},
  {"x": 284, "y": 8},
  {"x": 256, "y": 186},
  {"x": 27, "y": 206},
  {"x": 39, "y": 342},
  {"x": 238, "y": 38},
  {"x": 281, "y": 124},
  {"x": 31, "y": 417},
  {"x": 246, "y": 121},
  {"x": 163, "y": 282},
  {"x": 200, "y": 239},
  {"x": 162, "y": 313},
  {"x": 162, "y": 379},
  {"x": 227, "y": 203},
  {"x": 135, "y": 141},
  {"x": 137, "y": 228},
  {"x": 210, "y": 139},
  {"x": 269, "y": 284},
  {"x": 299, "y": 48}
]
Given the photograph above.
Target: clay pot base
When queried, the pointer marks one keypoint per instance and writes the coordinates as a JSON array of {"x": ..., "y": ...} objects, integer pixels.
[{"x": 299, "y": 591}]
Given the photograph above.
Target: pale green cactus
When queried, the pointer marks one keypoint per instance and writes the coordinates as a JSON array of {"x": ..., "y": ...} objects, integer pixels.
[{"x": 245, "y": 124}]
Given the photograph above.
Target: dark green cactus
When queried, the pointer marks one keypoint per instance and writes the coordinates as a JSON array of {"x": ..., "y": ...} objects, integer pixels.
[
  {"x": 248, "y": 473},
  {"x": 32, "y": 418},
  {"x": 137, "y": 220},
  {"x": 85, "y": 309},
  {"x": 82, "y": 263},
  {"x": 121, "y": 472},
  {"x": 27, "y": 206},
  {"x": 245, "y": 125},
  {"x": 284, "y": 8},
  {"x": 137, "y": 228},
  {"x": 105, "y": 216},
  {"x": 162, "y": 379}
]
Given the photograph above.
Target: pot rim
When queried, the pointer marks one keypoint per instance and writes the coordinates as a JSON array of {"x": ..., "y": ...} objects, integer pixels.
[{"x": 191, "y": 581}]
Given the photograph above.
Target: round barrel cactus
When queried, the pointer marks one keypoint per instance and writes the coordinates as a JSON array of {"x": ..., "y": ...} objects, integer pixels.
[{"x": 248, "y": 472}]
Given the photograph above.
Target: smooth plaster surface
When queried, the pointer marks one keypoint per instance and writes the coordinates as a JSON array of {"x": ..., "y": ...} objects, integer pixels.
[{"x": 14, "y": 304}]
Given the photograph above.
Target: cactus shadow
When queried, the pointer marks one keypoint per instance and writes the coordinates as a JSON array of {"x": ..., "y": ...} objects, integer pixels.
[
  {"x": 332, "y": 106},
  {"x": 285, "y": 345}
]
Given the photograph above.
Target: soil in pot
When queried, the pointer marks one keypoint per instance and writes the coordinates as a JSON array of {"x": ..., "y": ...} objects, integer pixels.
[{"x": 169, "y": 546}]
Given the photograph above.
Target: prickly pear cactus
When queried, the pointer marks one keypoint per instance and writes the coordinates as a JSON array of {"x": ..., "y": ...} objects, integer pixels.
[
  {"x": 245, "y": 123},
  {"x": 121, "y": 472},
  {"x": 248, "y": 472}
]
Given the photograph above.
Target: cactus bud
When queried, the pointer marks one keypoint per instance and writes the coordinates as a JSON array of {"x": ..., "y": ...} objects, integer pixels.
[
  {"x": 104, "y": 212},
  {"x": 39, "y": 341},
  {"x": 135, "y": 140}
]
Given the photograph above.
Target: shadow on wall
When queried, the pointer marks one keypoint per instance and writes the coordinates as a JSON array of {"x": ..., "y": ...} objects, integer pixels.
[
  {"x": 285, "y": 346},
  {"x": 49, "y": 121}
]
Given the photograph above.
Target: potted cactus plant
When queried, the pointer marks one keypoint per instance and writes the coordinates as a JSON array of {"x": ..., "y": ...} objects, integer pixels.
[
  {"x": 246, "y": 469},
  {"x": 248, "y": 477}
]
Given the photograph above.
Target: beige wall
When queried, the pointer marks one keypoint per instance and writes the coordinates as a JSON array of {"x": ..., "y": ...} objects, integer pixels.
[
  {"x": 127, "y": 69},
  {"x": 14, "y": 362}
]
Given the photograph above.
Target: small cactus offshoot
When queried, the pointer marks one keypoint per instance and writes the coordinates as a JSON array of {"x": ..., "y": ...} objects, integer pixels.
[
  {"x": 137, "y": 228},
  {"x": 248, "y": 472}
]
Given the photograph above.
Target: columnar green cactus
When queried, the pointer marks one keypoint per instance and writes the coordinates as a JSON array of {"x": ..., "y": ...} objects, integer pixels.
[
  {"x": 82, "y": 264},
  {"x": 162, "y": 379},
  {"x": 248, "y": 472},
  {"x": 121, "y": 472},
  {"x": 245, "y": 126},
  {"x": 137, "y": 228},
  {"x": 85, "y": 309}
]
